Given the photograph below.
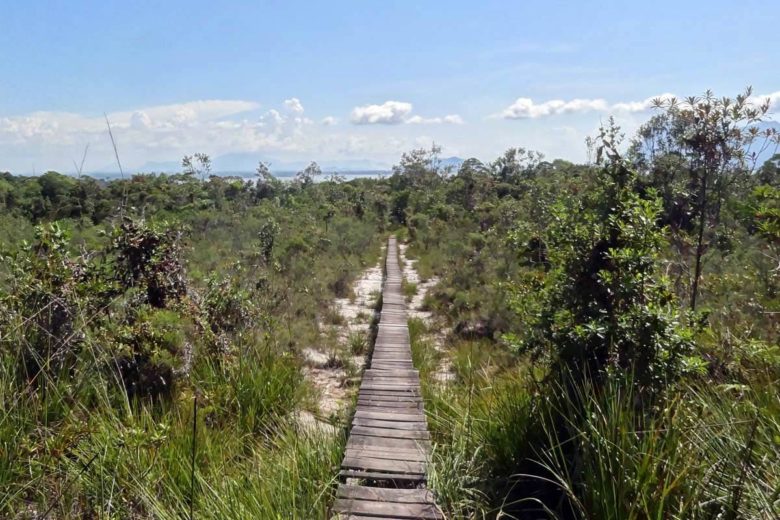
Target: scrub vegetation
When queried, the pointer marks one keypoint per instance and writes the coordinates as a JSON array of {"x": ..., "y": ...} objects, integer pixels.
[{"x": 613, "y": 329}]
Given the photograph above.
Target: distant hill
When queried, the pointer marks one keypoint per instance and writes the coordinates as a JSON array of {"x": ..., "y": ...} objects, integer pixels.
[{"x": 454, "y": 162}]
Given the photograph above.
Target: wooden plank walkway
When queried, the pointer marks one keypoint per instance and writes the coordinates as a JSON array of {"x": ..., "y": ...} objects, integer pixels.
[{"x": 384, "y": 467}]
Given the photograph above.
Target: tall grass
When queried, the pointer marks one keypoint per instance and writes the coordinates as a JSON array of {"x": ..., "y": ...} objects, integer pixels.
[
  {"x": 509, "y": 447},
  {"x": 706, "y": 454},
  {"x": 95, "y": 458}
]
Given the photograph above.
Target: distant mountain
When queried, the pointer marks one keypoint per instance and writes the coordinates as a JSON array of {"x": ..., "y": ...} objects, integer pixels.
[{"x": 454, "y": 162}]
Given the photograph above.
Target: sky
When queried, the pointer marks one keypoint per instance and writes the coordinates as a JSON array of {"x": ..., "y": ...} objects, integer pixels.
[{"x": 342, "y": 81}]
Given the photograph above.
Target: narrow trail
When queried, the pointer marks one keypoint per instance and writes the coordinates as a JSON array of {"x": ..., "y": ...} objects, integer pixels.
[{"x": 385, "y": 464}]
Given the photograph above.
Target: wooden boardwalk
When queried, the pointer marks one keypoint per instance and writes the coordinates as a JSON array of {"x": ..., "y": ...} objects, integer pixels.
[{"x": 384, "y": 467}]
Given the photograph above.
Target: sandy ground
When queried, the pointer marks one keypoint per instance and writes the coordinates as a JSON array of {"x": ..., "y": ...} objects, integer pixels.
[
  {"x": 438, "y": 333},
  {"x": 328, "y": 368}
]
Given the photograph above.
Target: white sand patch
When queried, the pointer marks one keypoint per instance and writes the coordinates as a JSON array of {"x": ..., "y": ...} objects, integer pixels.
[
  {"x": 358, "y": 312},
  {"x": 314, "y": 357},
  {"x": 415, "y": 309},
  {"x": 325, "y": 368}
]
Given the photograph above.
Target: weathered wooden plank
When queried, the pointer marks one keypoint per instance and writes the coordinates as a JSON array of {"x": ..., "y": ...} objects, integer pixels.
[
  {"x": 387, "y": 453},
  {"x": 394, "y": 510},
  {"x": 389, "y": 395},
  {"x": 386, "y": 396},
  {"x": 399, "y": 387},
  {"x": 373, "y": 406},
  {"x": 399, "y": 372},
  {"x": 402, "y": 496},
  {"x": 356, "y": 440},
  {"x": 420, "y": 426},
  {"x": 390, "y": 380},
  {"x": 389, "y": 407},
  {"x": 371, "y": 395},
  {"x": 408, "y": 399},
  {"x": 373, "y": 431},
  {"x": 384, "y": 465},
  {"x": 347, "y": 516},
  {"x": 392, "y": 416}
]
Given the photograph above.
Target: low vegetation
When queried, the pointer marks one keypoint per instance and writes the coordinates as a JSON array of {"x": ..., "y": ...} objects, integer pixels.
[{"x": 613, "y": 330}]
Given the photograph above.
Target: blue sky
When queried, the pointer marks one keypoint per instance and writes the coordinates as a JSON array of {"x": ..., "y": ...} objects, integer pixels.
[{"x": 335, "y": 81}]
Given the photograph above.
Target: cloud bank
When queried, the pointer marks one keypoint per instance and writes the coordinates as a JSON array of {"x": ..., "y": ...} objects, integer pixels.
[
  {"x": 161, "y": 134},
  {"x": 527, "y": 108},
  {"x": 396, "y": 113}
]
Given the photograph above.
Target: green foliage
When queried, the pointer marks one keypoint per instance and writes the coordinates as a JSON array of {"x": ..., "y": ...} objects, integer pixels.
[
  {"x": 575, "y": 385},
  {"x": 150, "y": 258},
  {"x": 767, "y": 212},
  {"x": 601, "y": 308},
  {"x": 358, "y": 343},
  {"x": 106, "y": 333},
  {"x": 705, "y": 456},
  {"x": 699, "y": 152}
]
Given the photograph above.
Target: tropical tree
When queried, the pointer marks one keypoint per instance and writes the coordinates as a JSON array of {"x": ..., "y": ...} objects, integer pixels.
[
  {"x": 198, "y": 165},
  {"x": 601, "y": 311},
  {"x": 698, "y": 152},
  {"x": 307, "y": 176}
]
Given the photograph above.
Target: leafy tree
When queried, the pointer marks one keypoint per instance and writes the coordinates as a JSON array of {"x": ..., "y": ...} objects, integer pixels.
[
  {"x": 198, "y": 165},
  {"x": 602, "y": 310},
  {"x": 709, "y": 145},
  {"x": 419, "y": 168},
  {"x": 150, "y": 258},
  {"x": 267, "y": 235},
  {"x": 307, "y": 176},
  {"x": 267, "y": 185},
  {"x": 470, "y": 183},
  {"x": 769, "y": 173},
  {"x": 516, "y": 164}
]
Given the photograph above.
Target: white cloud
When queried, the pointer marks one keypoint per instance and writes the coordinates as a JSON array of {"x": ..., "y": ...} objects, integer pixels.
[
  {"x": 294, "y": 104},
  {"x": 453, "y": 119},
  {"x": 396, "y": 113},
  {"x": 641, "y": 106},
  {"x": 52, "y": 140},
  {"x": 526, "y": 108},
  {"x": 388, "y": 113},
  {"x": 774, "y": 100},
  {"x": 182, "y": 113}
]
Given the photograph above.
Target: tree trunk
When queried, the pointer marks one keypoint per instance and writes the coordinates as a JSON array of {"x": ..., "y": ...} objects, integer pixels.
[{"x": 700, "y": 240}]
